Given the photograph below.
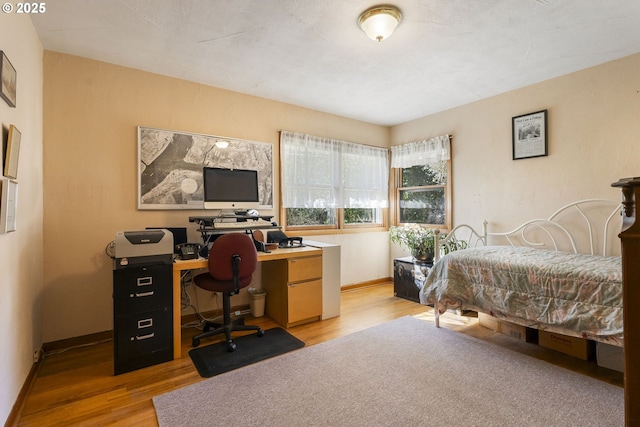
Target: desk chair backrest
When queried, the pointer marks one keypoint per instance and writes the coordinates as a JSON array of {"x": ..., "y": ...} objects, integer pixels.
[{"x": 230, "y": 251}]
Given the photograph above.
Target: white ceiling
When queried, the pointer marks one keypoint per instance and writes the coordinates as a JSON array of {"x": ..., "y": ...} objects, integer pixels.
[{"x": 311, "y": 53}]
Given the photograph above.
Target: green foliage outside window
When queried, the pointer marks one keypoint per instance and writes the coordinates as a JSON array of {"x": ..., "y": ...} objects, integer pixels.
[
  {"x": 422, "y": 206},
  {"x": 418, "y": 176},
  {"x": 310, "y": 216},
  {"x": 359, "y": 216},
  {"x": 422, "y": 196},
  {"x": 323, "y": 216}
]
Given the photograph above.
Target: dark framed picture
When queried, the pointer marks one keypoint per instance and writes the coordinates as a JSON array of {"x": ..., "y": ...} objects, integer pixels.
[
  {"x": 529, "y": 133},
  {"x": 13, "y": 153},
  {"x": 8, "y": 77}
]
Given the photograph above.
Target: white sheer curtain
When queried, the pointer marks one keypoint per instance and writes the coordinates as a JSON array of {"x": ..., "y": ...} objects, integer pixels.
[
  {"x": 422, "y": 152},
  {"x": 327, "y": 173},
  {"x": 365, "y": 176}
]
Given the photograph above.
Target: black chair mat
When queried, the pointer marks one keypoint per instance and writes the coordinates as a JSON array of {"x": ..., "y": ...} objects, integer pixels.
[{"x": 214, "y": 359}]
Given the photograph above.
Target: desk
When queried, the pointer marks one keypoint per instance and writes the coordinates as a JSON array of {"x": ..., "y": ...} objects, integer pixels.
[{"x": 275, "y": 259}]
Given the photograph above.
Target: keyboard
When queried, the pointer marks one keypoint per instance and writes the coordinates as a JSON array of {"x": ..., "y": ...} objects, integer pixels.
[
  {"x": 243, "y": 224},
  {"x": 233, "y": 224}
]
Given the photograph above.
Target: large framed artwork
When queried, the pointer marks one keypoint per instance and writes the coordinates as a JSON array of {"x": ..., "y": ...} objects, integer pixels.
[
  {"x": 529, "y": 133},
  {"x": 8, "y": 79},
  {"x": 171, "y": 163}
]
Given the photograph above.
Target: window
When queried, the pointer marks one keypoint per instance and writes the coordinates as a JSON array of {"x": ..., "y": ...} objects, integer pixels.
[
  {"x": 332, "y": 218},
  {"x": 324, "y": 183},
  {"x": 310, "y": 217},
  {"x": 423, "y": 192}
]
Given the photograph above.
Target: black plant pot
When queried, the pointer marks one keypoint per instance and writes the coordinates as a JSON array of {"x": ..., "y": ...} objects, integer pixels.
[{"x": 422, "y": 256}]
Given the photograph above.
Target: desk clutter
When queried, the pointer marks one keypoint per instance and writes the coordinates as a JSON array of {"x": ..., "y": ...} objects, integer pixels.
[
  {"x": 211, "y": 227},
  {"x": 148, "y": 270}
]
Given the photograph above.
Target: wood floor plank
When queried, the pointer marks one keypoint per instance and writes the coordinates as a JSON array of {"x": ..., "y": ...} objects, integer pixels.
[{"x": 77, "y": 386}]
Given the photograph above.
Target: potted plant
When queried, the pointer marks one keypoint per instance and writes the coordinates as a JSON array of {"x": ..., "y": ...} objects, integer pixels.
[
  {"x": 452, "y": 244},
  {"x": 419, "y": 240}
]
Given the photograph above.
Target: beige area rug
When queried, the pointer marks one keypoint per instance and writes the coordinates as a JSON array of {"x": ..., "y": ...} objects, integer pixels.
[{"x": 405, "y": 372}]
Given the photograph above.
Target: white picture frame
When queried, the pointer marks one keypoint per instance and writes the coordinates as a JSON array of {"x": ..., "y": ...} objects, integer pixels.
[{"x": 8, "y": 205}]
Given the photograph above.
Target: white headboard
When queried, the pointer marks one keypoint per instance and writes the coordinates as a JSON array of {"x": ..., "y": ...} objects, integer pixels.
[{"x": 589, "y": 226}]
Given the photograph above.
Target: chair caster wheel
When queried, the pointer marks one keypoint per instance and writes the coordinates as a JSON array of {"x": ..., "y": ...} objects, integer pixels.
[
  {"x": 260, "y": 333},
  {"x": 195, "y": 342},
  {"x": 231, "y": 347}
]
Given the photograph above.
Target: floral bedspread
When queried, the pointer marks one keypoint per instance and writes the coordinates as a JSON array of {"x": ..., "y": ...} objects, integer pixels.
[{"x": 540, "y": 288}]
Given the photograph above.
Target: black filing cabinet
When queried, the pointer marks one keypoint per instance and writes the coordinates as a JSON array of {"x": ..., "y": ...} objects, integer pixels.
[
  {"x": 143, "y": 316},
  {"x": 409, "y": 277}
]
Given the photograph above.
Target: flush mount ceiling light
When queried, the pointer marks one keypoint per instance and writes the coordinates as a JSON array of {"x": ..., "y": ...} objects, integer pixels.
[
  {"x": 221, "y": 143},
  {"x": 379, "y": 22}
]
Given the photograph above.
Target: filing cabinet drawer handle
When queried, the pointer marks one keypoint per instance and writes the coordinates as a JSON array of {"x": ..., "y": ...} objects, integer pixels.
[
  {"x": 144, "y": 337},
  {"x": 144, "y": 294},
  {"x": 145, "y": 323},
  {"x": 145, "y": 281}
]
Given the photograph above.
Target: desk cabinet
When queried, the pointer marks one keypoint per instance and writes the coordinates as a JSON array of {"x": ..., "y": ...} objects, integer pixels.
[
  {"x": 294, "y": 289},
  {"x": 143, "y": 313}
]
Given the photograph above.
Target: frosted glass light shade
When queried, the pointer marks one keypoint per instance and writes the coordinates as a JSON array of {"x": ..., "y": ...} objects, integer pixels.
[{"x": 379, "y": 22}]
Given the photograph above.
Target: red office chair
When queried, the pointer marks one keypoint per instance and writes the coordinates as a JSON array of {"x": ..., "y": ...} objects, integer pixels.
[{"x": 232, "y": 261}]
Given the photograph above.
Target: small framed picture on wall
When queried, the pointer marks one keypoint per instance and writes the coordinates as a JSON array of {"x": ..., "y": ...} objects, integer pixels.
[
  {"x": 8, "y": 205},
  {"x": 529, "y": 133},
  {"x": 13, "y": 152},
  {"x": 8, "y": 78}
]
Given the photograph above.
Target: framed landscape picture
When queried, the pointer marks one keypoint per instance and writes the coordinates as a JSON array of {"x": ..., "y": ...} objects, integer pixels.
[{"x": 8, "y": 78}]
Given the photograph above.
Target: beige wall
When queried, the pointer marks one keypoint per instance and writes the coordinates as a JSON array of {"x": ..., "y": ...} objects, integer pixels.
[
  {"x": 21, "y": 277},
  {"x": 594, "y": 139},
  {"x": 92, "y": 110}
]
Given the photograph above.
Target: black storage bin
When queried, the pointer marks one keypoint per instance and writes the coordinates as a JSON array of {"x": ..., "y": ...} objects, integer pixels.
[{"x": 409, "y": 277}]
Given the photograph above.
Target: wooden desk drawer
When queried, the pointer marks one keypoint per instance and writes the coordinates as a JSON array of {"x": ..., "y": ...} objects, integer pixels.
[
  {"x": 306, "y": 268},
  {"x": 305, "y": 300}
]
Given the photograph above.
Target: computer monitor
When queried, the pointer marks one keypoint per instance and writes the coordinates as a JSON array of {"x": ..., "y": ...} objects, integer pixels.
[{"x": 235, "y": 189}]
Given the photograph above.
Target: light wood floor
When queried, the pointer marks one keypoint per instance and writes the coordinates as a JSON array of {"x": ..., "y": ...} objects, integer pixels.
[{"x": 77, "y": 387}]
